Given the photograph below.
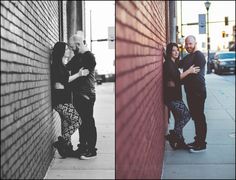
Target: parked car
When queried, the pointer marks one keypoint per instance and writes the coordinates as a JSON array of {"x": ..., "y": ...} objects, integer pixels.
[
  {"x": 98, "y": 80},
  {"x": 224, "y": 62}
]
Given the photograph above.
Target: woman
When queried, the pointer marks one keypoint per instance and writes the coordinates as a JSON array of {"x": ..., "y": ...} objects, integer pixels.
[
  {"x": 70, "y": 119},
  {"x": 173, "y": 95}
]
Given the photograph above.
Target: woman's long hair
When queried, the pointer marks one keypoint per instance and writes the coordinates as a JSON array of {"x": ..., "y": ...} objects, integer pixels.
[
  {"x": 169, "y": 48},
  {"x": 58, "y": 53}
]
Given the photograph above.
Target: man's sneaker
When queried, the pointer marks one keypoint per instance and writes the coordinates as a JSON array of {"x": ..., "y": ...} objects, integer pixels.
[
  {"x": 89, "y": 155},
  {"x": 198, "y": 148}
]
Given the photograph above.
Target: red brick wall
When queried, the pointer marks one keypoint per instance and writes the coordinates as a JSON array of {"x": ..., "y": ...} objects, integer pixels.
[
  {"x": 28, "y": 124},
  {"x": 140, "y": 125}
]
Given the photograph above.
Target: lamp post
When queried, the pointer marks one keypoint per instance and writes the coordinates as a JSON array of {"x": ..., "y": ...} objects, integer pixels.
[
  {"x": 182, "y": 37},
  {"x": 207, "y": 5},
  {"x": 91, "y": 31}
]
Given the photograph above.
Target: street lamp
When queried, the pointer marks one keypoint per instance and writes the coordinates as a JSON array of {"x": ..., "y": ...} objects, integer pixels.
[
  {"x": 207, "y": 5},
  {"x": 182, "y": 37}
]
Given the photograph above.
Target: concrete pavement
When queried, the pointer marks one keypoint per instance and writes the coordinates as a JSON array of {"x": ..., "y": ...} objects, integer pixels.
[
  {"x": 218, "y": 162},
  {"x": 103, "y": 167}
]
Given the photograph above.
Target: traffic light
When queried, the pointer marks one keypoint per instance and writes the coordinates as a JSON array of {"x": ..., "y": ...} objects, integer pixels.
[
  {"x": 223, "y": 34},
  {"x": 226, "y": 21}
]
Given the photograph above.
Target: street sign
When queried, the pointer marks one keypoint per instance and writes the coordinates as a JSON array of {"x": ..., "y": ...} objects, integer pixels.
[
  {"x": 202, "y": 23},
  {"x": 111, "y": 37}
]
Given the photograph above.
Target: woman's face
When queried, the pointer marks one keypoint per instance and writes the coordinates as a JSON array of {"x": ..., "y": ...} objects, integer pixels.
[
  {"x": 175, "y": 53},
  {"x": 65, "y": 58}
]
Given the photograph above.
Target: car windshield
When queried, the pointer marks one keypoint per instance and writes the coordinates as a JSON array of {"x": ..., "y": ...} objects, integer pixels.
[
  {"x": 227, "y": 56},
  {"x": 212, "y": 55}
]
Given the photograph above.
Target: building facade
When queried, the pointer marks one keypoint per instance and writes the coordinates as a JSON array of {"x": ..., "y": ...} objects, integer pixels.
[
  {"x": 29, "y": 125},
  {"x": 141, "y": 33}
]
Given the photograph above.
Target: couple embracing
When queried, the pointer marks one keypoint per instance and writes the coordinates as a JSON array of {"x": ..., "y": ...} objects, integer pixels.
[
  {"x": 193, "y": 66},
  {"x": 81, "y": 84}
]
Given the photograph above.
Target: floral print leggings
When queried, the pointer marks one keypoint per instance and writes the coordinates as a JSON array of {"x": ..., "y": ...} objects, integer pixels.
[
  {"x": 70, "y": 120},
  {"x": 181, "y": 115}
]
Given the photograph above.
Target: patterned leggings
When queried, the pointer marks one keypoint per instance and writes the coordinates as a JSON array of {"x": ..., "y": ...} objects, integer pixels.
[
  {"x": 181, "y": 115},
  {"x": 70, "y": 120}
]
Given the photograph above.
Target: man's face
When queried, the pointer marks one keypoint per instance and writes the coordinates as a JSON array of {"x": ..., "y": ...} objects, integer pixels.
[
  {"x": 77, "y": 47},
  {"x": 190, "y": 45}
]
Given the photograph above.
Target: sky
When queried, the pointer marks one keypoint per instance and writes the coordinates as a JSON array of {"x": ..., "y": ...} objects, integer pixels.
[
  {"x": 102, "y": 16},
  {"x": 217, "y": 11}
]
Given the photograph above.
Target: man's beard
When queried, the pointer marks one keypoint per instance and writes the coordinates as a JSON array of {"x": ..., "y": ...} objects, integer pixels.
[
  {"x": 76, "y": 51},
  {"x": 191, "y": 50}
]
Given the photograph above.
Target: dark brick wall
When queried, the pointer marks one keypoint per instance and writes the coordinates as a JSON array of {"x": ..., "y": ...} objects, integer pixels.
[
  {"x": 28, "y": 124},
  {"x": 140, "y": 125}
]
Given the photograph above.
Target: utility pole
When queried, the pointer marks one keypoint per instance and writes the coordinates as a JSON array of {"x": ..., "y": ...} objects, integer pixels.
[
  {"x": 207, "y": 4},
  {"x": 172, "y": 14},
  {"x": 91, "y": 30}
]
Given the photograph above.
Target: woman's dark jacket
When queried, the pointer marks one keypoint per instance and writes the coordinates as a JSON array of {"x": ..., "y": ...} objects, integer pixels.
[
  {"x": 171, "y": 73},
  {"x": 61, "y": 75}
]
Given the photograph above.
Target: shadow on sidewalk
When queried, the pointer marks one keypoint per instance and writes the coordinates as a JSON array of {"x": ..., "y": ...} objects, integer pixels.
[
  {"x": 218, "y": 162},
  {"x": 103, "y": 167}
]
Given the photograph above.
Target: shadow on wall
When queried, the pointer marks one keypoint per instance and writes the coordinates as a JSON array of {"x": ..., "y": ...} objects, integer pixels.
[{"x": 29, "y": 126}]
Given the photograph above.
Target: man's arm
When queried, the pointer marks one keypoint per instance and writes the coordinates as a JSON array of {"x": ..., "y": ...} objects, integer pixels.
[
  {"x": 90, "y": 61},
  {"x": 199, "y": 60},
  {"x": 82, "y": 72}
]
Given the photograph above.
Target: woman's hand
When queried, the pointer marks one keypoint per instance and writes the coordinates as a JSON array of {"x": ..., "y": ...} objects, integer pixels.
[
  {"x": 83, "y": 72},
  {"x": 194, "y": 70}
]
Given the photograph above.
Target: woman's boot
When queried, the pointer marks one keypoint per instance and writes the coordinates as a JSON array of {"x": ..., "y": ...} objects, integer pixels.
[
  {"x": 69, "y": 150},
  {"x": 63, "y": 148},
  {"x": 172, "y": 138},
  {"x": 175, "y": 141},
  {"x": 181, "y": 144},
  {"x": 60, "y": 146}
]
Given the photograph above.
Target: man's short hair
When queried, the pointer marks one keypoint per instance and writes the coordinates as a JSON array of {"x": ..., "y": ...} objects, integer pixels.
[
  {"x": 76, "y": 39},
  {"x": 192, "y": 37}
]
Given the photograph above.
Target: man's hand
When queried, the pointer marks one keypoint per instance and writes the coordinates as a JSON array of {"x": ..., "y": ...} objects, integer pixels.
[{"x": 83, "y": 72}]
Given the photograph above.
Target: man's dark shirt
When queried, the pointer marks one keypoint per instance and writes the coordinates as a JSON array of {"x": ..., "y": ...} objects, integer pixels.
[
  {"x": 194, "y": 82},
  {"x": 83, "y": 85}
]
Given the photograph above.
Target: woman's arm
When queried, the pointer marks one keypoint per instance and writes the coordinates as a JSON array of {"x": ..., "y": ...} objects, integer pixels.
[
  {"x": 82, "y": 72},
  {"x": 191, "y": 70}
]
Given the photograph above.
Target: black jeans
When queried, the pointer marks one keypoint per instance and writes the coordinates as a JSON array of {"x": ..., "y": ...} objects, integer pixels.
[
  {"x": 87, "y": 130},
  {"x": 196, "y": 102}
]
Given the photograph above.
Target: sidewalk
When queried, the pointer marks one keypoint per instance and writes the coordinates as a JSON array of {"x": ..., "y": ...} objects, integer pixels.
[
  {"x": 218, "y": 162},
  {"x": 103, "y": 167}
]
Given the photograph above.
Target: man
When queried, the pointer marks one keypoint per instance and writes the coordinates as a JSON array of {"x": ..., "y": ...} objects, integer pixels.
[
  {"x": 83, "y": 91},
  {"x": 195, "y": 89}
]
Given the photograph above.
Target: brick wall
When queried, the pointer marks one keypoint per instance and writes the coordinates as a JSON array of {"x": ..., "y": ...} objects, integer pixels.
[
  {"x": 140, "y": 125},
  {"x": 28, "y": 125}
]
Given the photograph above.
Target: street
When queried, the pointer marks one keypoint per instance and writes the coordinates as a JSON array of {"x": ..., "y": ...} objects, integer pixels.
[{"x": 228, "y": 77}]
